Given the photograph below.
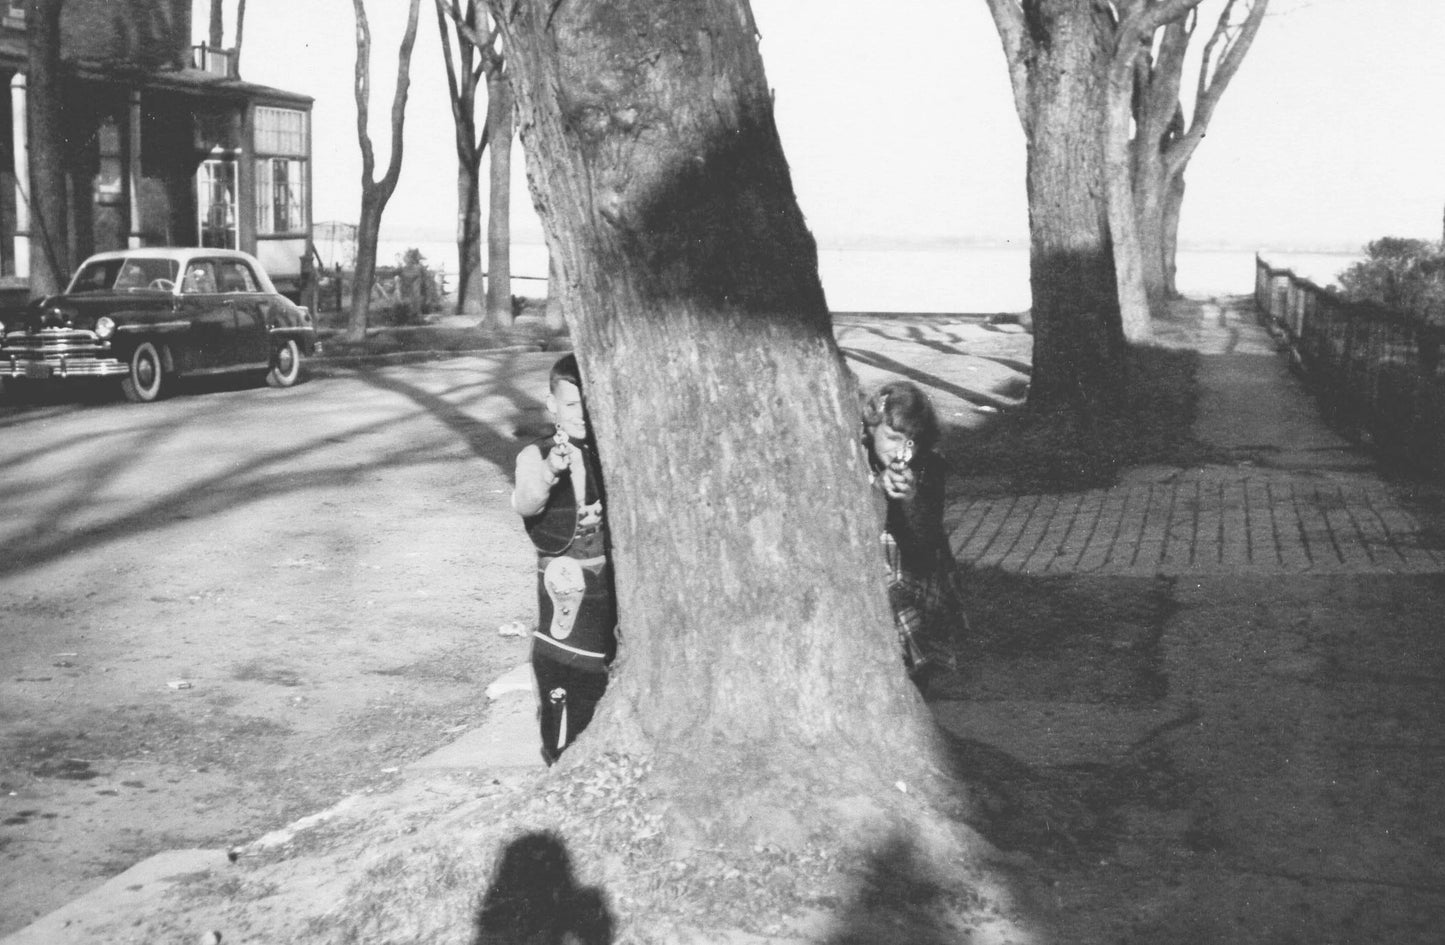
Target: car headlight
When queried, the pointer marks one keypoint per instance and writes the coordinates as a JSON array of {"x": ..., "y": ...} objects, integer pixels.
[
  {"x": 2, "y": 329},
  {"x": 104, "y": 326}
]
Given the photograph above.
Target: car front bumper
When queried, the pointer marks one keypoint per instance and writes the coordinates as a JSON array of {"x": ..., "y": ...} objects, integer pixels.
[{"x": 57, "y": 353}]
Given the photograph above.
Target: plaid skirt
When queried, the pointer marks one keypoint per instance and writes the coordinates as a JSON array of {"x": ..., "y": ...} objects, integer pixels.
[{"x": 927, "y": 608}]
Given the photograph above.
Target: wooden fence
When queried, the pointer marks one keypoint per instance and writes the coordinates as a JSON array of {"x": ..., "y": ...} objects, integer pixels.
[{"x": 1377, "y": 373}]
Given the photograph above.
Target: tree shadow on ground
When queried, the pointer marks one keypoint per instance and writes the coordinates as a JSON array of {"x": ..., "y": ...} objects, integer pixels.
[
  {"x": 75, "y": 519},
  {"x": 534, "y": 899}
]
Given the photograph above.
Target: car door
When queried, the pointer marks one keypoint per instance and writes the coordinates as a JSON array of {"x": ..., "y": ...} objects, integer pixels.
[
  {"x": 240, "y": 286},
  {"x": 211, "y": 315}
]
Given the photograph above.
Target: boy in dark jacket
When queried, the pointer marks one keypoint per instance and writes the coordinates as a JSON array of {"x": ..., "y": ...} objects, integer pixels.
[{"x": 558, "y": 493}]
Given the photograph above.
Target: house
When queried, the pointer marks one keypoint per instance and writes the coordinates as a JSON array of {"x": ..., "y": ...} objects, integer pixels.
[{"x": 165, "y": 144}]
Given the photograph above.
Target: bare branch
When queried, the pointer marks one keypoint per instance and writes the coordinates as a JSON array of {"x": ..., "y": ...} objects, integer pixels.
[
  {"x": 403, "y": 87},
  {"x": 1008, "y": 18},
  {"x": 1236, "y": 38},
  {"x": 363, "y": 89}
]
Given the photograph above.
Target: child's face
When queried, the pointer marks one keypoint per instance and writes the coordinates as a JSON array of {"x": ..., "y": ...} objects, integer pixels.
[
  {"x": 887, "y": 443},
  {"x": 565, "y": 404}
]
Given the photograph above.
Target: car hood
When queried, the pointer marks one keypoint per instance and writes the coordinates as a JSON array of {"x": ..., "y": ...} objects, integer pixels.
[{"x": 81, "y": 311}]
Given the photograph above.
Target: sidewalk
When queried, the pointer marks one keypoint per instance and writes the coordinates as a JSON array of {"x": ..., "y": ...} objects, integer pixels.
[
  {"x": 1229, "y": 728},
  {"x": 1297, "y": 499}
]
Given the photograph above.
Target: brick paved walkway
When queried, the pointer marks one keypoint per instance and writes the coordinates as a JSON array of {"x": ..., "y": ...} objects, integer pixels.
[{"x": 1299, "y": 500}]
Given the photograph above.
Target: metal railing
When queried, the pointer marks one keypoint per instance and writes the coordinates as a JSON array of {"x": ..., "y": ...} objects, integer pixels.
[{"x": 1377, "y": 373}]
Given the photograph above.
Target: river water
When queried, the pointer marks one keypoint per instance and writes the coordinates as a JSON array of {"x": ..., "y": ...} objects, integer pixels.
[{"x": 953, "y": 278}]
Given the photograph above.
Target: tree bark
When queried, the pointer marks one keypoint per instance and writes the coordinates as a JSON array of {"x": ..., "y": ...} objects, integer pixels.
[
  {"x": 1078, "y": 363},
  {"x": 375, "y": 193},
  {"x": 470, "y": 284},
  {"x": 44, "y": 117},
  {"x": 499, "y": 199},
  {"x": 752, "y": 606}
]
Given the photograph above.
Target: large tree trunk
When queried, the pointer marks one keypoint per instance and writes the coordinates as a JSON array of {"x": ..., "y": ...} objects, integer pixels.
[
  {"x": 1149, "y": 205},
  {"x": 752, "y": 608},
  {"x": 1120, "y": 162},
  {"x": 1078, "y": 339},
  {"x": 49, "y": 208},
  {"x": 499, "y": 200}
]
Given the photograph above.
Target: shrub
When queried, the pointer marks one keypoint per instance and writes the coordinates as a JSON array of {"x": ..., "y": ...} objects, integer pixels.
[{"x": 1405, "y": 275}]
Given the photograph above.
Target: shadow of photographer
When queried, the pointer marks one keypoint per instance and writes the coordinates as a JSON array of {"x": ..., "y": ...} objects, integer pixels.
[{"x": 534, "y": 899}]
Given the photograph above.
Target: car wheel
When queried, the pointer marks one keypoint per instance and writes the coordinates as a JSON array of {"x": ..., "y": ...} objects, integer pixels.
[
  {"x": 147, "y": 376},
  {"x": 285, "y": 365}
]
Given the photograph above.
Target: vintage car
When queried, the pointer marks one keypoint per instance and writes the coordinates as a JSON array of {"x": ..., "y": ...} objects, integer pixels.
[{"x": 146, "y": 316}]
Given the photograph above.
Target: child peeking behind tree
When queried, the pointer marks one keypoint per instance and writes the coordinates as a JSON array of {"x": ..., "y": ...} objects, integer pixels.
[
  {"x": 900, "y": 430},
  {"x": 558, "y": 493}
]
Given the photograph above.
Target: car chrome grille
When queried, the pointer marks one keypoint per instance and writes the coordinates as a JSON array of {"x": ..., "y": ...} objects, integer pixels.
[
  {"x": 55, "y": 352},
  {"x": 53, "y": 341}
]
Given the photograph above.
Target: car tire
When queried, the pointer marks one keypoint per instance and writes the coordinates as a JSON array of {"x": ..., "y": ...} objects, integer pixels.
[
  {"x": 285, "y": 365},
  {"x": 147, "y": 378}
]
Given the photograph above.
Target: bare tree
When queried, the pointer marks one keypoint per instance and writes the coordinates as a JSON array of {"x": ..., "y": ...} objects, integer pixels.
[
  {"x": 45, "y": 159},
  {"x": 1164, "y": 142},
  {"x": 375, "y": 193},
  {"x": 1058, "y": 54},
  {"x": 478, "y": 55},
  {"x": 744, "y": 534}
]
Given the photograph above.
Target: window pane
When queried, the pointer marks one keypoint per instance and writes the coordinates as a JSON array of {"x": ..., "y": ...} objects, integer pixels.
[
  {"x": 281, "y": 131},
  {"x": 264, "y": 220}
]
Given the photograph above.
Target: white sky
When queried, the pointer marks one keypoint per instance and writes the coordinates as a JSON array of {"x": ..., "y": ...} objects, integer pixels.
[{"x": 904, "y": 127}]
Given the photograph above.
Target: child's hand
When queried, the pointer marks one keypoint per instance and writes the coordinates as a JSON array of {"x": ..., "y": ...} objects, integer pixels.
[
  {"x": 559, "y": 458},
  {"x": 898, "y": 483}
]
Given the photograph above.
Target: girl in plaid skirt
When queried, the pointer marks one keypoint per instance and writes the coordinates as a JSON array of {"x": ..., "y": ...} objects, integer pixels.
[{"x": 900, "y": 430}]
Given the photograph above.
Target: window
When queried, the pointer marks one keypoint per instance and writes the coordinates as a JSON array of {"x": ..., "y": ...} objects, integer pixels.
[
  {"x": 280, "y": 196},
  {"x": 282, "y": 149},
  {"x": 236, "y": 276},
  {"x": 200, "y": 278},
  {"x": 281, "y": 131}
]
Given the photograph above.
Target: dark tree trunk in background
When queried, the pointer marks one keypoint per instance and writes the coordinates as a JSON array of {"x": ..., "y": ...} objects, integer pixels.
[
  {"x": 499, "y": 202},
  {"x": 44, "y": 117},
  {"x": 1058, "y": 53},
  {"x": 375, "y": 193},
  {"x": 746, "y": 548},
  {"x": 216, "y": 35},
  {"x": 466, "y": 63}
]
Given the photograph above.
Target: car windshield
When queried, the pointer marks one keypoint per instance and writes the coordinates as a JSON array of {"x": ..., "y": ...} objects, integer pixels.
[{"x": 129, "y": 274}]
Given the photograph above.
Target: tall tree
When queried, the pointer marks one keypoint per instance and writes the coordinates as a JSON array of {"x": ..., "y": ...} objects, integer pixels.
[
  {"x": 1138, "y": 20},
  {"x": 1163, "y": 142},
  {"x": 1058, "y": 54},
  {"x": 45, "y": 156},
  {"x": 477, "y": 54},
  {"x": 376, "y": 193},
  {"x": 746, "y": 546}
]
